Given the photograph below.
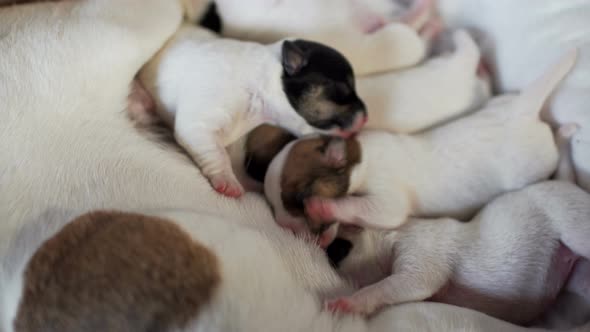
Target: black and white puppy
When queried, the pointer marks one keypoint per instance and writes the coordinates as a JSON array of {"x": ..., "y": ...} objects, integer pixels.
[{"x": 212, "y": 91}]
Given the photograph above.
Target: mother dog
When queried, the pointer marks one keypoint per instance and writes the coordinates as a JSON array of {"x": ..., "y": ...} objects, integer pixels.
[{"x": 67, "y": 148}]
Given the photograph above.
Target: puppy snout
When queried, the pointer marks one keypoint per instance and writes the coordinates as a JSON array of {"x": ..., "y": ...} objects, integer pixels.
[{"x": 351, "y": 123}]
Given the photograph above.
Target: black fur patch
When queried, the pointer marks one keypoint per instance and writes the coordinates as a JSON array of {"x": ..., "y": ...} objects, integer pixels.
[
  {"x": 338, "y": 250},
  {"x": 319, "y": 83},
  {"x": 211, "y": 19}
]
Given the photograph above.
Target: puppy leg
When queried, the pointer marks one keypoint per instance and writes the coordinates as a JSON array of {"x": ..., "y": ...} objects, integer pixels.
[
  {"x": 418, "y": 276},
  {"x": 565, "y": 167},
  {"x": 367, "y": 211},
  {"x": 205, "y": 147}
]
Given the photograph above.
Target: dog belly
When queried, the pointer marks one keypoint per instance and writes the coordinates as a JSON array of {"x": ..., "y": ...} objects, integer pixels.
[{"x": 522, "y": 308}]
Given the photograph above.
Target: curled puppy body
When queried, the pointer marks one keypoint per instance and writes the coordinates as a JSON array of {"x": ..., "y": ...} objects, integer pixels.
[
  {"x": 494, "y": 263},
  {"x": 417, "y": 98},
  {"x": 451, "y": 170},
  {"x": 213, "y": 91},
  {"x": 364, "y": 32}
]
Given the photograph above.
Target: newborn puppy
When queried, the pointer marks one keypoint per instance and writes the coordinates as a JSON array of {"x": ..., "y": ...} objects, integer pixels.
[
  {"x": 371, "y": 34},
  {"x": 417, "y": 98},
  {"x": 510, "y": 261},
  {"x": 213, "y": 91},
  {"x": 451, "y": 170}
]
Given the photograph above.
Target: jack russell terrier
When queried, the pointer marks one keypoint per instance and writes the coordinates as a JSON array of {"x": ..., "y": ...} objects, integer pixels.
[{"x": 510, "y": 262}]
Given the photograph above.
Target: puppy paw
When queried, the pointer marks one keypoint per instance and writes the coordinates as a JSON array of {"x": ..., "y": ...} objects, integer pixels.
[
  {"x": 342, "y": 305},
  {"x": 319, "y": 209},
  {"x": 227, "y": 186}
]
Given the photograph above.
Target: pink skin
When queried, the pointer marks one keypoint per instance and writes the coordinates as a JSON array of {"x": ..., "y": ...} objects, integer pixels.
[
  {"x": 140, "y": 105},
  {"x": 358, "y": 124},
  {"x": 342, "y": 305},
  {"x": 226, "y": 188},
  {"x": 328, "y": 236},
  {"x": 350, "y": 211}
]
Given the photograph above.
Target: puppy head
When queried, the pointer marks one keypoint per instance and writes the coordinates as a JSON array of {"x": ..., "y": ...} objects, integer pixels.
[
  {"x": 314, "y": 166},
  {"x": 319, "y": 83}
]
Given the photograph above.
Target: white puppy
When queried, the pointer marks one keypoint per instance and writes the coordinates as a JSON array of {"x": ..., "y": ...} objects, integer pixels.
[
  {"x": 451, "y": 170},
  {"x": 417, "y": 98},
  {"x": 518, "y": 52},
  {"x": 213, "y": 91},
  {"x": 363, "y": 32},
  {"x": 510, "y": 261}
]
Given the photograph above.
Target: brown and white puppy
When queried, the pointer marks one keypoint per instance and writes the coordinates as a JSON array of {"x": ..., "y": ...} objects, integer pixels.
[
  {"x": 493, "y": 264},
  {"x": 451, "y": 170}
]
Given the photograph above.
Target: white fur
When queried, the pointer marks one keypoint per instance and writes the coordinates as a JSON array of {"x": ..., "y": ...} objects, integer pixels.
[
  {"x": 417, "y": 98},
  {"x": 338, "y": 23},
  {"x": 518, "y": 52},
  {"x": 451, "y": 170},
  {"x": 504, "y": 255},
  {"x": 212, "y": 91},
  {"x": 67, "y": 147}
]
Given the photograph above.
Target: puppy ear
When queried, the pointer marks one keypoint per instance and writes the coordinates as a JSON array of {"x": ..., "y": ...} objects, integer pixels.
[
  {"x": 335, "y": 155},
  {"x": 293, "y": 58}
]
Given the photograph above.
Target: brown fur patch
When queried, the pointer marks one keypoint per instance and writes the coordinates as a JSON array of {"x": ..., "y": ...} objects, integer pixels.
[
  {"x": 262, "y": 145},
  {"x": 112, "y": 271},
  {"x": 307, "y": 173}
]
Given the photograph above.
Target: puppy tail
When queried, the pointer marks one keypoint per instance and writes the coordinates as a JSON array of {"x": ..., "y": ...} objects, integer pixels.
[{"x": 533, "y": 98}]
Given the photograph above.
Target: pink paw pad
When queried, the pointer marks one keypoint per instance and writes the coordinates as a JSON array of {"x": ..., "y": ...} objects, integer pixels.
[
  {"x": 340, "y": 305},
  {"x": 227, "y": 189}
]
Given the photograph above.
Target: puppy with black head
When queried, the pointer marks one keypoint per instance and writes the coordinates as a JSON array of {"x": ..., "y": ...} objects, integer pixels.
[{"x": 212, "y": 91}]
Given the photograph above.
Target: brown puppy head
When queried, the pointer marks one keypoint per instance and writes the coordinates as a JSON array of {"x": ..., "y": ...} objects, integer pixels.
[
  {"x": 112, "y": 271},
  {"x": 318, "y": 166},
  {"x": 262, "y": 145}
]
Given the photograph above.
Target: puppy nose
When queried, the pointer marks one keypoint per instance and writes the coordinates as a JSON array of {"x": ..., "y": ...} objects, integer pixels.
[{"x": 359, "y": 121}]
